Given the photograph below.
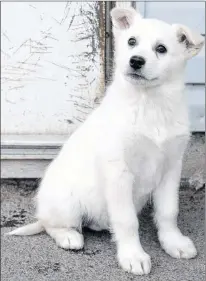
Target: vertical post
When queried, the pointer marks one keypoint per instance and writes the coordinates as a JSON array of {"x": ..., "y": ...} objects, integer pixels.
[{"x": 108, "y": 41}]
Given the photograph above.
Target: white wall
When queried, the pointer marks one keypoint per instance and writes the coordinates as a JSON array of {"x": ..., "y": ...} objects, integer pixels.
[{"x": 52, "y": 65}]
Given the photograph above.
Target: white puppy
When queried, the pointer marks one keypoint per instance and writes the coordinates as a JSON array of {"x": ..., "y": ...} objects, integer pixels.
[{"x": 130, "y": 147}]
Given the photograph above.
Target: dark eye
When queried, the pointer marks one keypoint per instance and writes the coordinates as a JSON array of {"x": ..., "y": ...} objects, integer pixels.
[
  {"x": 183, "y": 38},
  {"x": 161, "y": 49},
  {"x": 132, "y": 41}
]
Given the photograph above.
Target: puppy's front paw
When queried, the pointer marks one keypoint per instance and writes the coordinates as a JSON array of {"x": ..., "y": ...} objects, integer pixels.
[
  {"x": 138, "y": 262},
  {"x": 70, "y": 239},
  {"x": 178, "y": 246}
]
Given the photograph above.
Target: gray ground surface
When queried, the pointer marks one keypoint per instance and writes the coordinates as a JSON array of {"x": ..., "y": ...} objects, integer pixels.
[
  {"x": 38, "y": 258},
  {"x": 194, "y": 161}
]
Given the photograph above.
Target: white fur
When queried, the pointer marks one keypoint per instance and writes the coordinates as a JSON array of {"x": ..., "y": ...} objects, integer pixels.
[{"x": 130, "y": 147}]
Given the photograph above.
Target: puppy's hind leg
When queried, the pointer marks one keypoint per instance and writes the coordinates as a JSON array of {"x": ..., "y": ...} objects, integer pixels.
[{"x": 66, "y": 238}]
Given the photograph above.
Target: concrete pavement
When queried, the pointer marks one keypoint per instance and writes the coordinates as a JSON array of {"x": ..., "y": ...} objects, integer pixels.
[{"x": 37, "y": 258}]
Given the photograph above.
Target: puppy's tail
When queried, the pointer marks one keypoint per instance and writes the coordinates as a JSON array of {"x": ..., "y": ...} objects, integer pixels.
[{"x": 30, "y": 229}]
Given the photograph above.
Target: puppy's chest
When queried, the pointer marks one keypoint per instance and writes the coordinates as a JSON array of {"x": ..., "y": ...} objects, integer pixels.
[
  {"x": 158, "y": 123},
  {"x": 152, "y": 143},
  {"x": 143, "y": 155},
  {"x": 157, "y": 128}
]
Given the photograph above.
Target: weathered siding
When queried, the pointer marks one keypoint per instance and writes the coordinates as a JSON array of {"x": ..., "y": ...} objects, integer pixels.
[{"x": 52, "y": 65}]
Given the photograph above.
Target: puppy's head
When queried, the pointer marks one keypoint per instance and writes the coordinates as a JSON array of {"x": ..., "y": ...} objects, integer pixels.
[{"x": 149, "y": 51}]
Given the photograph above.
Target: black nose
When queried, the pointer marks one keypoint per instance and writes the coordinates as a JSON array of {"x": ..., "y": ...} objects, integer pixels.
[{"x": 137, "y": 62}]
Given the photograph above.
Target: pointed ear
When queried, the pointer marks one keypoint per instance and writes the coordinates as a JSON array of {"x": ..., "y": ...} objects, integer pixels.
[
  {"x": 123, "y": 18},
  {"x": 191, "y": 40}
]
